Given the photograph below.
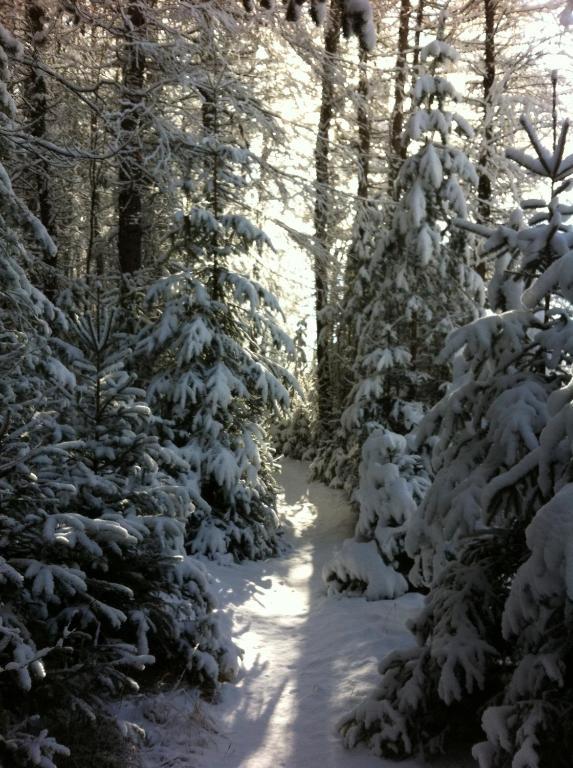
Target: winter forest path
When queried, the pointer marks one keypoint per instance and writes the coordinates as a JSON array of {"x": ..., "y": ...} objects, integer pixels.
[{"x": 308, "y": 657}]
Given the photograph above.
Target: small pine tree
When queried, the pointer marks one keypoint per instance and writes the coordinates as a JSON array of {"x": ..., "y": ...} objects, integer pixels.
[
  {"x": 213, "y": 384},
  {"x": 295, "y": 435},
  {"x": 418, "y": 286},
  {"x": 392, "y": 482},
  {"x": 120, "y": 472},
  {"x": 207, "y": 349},
  {"x": 421, "y": 281},
  {"x": 95, "y": 582}
]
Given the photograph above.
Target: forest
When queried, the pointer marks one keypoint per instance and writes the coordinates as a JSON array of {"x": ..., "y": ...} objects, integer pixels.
[{"x": 286, "y": 394}]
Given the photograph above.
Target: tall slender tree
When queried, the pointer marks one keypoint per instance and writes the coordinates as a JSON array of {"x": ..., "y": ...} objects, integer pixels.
[
  {"x": 397, "y": 146},
  {"x": 36, "y": 115},
  {"x": 323, "y": 213},
  {"x": 420, "y": 286},
  {"x": 131, "y": 177}
]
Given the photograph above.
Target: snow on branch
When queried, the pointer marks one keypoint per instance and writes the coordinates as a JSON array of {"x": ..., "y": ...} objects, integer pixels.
[{"x": 357, "y": 17}]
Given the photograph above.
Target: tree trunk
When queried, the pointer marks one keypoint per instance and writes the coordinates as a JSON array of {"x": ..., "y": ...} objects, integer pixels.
[
  {"x": 397, "y": 147},
  {"x": 417, "y": 35},
  {"x": 364, "y": 125},
  {"x": 209, "y": 119},
  {"x": 94, "y": 172},
  {"x": 484, "y": 184},
  {"x": 364, "y": 129},
  {"x": 130, "y": 176},
  {"x": 323, "y": 210},
  {"x": 36, "y": 95},
  {"x": 346, "y": 332}
]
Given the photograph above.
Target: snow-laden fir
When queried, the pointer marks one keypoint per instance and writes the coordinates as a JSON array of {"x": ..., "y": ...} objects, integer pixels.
[
  {"x": 493, "y": 535},
  {"x": 417, "y": 286}
]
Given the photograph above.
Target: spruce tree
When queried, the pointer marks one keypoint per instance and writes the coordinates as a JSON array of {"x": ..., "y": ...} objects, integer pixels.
[
  {"x": 94, "y": 581},
  {"x": 416, "y": 287},
  {"x": 209, "y": 349},
  {"x": 494, "y": 638}
]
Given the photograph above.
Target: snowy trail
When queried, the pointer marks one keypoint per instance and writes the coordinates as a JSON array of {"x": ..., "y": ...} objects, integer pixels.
[{"x": 308, "y": 657}]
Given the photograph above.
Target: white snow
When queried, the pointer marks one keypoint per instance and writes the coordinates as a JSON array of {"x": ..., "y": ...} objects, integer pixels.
[
  {"x": 362, "y": 561},
  {"x": 308, "y": 658},
  {"x": 366, "y": 29}
]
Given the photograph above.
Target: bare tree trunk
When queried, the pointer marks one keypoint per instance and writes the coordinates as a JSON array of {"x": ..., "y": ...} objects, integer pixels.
[
  {"x": 397, "y": 147},
  {"x": 346, "y": 333},
  {"x": 36, "y": 103},
  {"x": 130, "y": 199},
  {"x": 322, "y": 210},
  {"x": 484, "y": 185},
  {"x": 364, "y": 125},
  {"x": 364, "y": 129},
  {"x": 210, "y": 122},
  {"x": 417, "y": 35},
  {"x": 94, "y": 173}
]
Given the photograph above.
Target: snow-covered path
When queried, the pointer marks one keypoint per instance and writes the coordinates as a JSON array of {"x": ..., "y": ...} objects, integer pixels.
[{"x": 308, "y": 657}]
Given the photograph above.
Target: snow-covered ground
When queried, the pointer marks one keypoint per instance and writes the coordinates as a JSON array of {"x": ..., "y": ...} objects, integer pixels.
[{"x": 307, "y": 657}]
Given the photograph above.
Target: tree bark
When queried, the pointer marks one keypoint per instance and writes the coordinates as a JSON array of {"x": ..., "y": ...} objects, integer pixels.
[
  {"x": 484, "y": 183},
  {"x": 36, "y": 101},
  {"x": 94, "y": 205},
  {"x": 397, "y": 147},
  {"x": 364, "y": 129},
  {"x": 417, "y": 35},
  {"x": 346, "y": 332},
  {"x": 323, "y": 210},
  {"x": 130, "y": 174}
]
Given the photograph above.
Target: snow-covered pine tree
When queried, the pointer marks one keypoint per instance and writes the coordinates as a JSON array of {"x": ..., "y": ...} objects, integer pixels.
[
  {"x": 417, "y": 285},
  {"x": 121, "y": 473},
  {"x": 195, "y": 152},
  {"x": 209, "y": 346},
  {"x": 392, "y": 482},
  {"x": 338, "y": 454},
  {"x": 424, "y": 282},
  {"x": 96, "y": 585},
  {"x": 295, "y": 436},
  {"x": 213, "y": 383},
  {"x": 26, "y": 477},
  {"x": 93, "y": 578},
  {"x": 495, "y": 635},
  {"x": 94, "y": 581},
  {"x": 523, "y": 726},
  {"x": 476, "y": 434}
]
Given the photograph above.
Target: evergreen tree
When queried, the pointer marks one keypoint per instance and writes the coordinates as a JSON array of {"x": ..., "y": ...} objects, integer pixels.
[
  {"x": 422, "y": 273},
  {"x": 94, "y": 581},
  {"x": 295, "y": 436},
  {"x": 208, "y": 352},
  {"x": 416, "y": 287},
  {"x": 494, "y": 638}
]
